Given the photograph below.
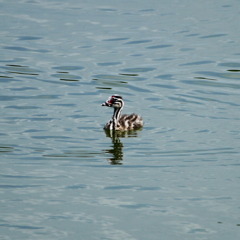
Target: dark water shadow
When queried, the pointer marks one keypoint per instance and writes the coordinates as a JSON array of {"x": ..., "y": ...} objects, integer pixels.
[
  {"x": 116, "y": 149},
  {"x": 20, "y": 70}
]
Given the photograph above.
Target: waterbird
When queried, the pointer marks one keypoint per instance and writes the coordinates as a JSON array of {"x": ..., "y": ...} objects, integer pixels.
[{"x": 120, "y": 122}]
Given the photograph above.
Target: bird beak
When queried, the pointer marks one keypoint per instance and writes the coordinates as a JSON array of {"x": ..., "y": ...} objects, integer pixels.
[
  {"x": 108, "y": 103},
  {"x": 105, "y": 104}
]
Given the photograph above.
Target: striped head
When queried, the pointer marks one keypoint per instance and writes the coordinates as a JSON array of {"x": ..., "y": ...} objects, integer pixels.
[{"x": 114, "y": 101}]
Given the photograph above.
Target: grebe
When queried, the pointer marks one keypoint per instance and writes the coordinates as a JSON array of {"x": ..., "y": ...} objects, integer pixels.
[{"x": 121, "y": 122}]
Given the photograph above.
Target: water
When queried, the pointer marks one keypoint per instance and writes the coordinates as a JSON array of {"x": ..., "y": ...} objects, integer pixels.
[{"x": 177, "y": 63}]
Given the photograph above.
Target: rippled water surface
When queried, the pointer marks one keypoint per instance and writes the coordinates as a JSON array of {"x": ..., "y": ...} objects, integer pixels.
[{"x": 177, "y": 63}]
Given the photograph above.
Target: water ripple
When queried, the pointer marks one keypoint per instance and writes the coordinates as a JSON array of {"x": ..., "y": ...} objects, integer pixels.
[
  {"x": 24, "y": 49},
  {"x": 159, "y": 46},
  {"x": 209, "y": 82},
  {"x": 20, "y": 69},
  {"x": 214, "y": 35},
  {"x": 220, "y": 75}
]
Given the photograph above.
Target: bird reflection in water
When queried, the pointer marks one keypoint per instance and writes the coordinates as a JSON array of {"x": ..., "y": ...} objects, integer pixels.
[
  {"x": 117, "y": 148},
  {"x": 120, "y": 126}
]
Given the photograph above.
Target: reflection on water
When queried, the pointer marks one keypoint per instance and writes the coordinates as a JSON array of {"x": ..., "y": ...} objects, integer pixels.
[
  {"x": 116, "y": 151},
  {"x": 117, "y": 147}
]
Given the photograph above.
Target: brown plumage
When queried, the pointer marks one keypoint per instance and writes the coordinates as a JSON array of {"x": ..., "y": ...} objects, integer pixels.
[{"x": 121, "y": 122}]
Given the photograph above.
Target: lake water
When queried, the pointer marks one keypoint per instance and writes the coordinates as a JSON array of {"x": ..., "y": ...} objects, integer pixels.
[{"x": 177, "y": 63}]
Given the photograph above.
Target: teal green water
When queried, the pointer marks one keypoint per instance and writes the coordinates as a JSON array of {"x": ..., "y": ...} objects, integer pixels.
[{"x": 175, "y": 63}]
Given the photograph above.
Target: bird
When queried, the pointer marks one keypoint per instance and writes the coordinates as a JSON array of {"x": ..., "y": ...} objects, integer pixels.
[{"x": 120, "y": 122}]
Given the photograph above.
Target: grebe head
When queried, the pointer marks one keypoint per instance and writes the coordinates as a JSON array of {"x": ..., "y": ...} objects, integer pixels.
[{"x": 114, "y": 101}]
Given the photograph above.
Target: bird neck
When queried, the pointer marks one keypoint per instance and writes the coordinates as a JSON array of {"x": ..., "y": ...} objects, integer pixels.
[{"x": 116, "y": 116}]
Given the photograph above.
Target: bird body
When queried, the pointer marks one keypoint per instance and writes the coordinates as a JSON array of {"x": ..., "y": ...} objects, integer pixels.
[{"x": 120, "y": 122}]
